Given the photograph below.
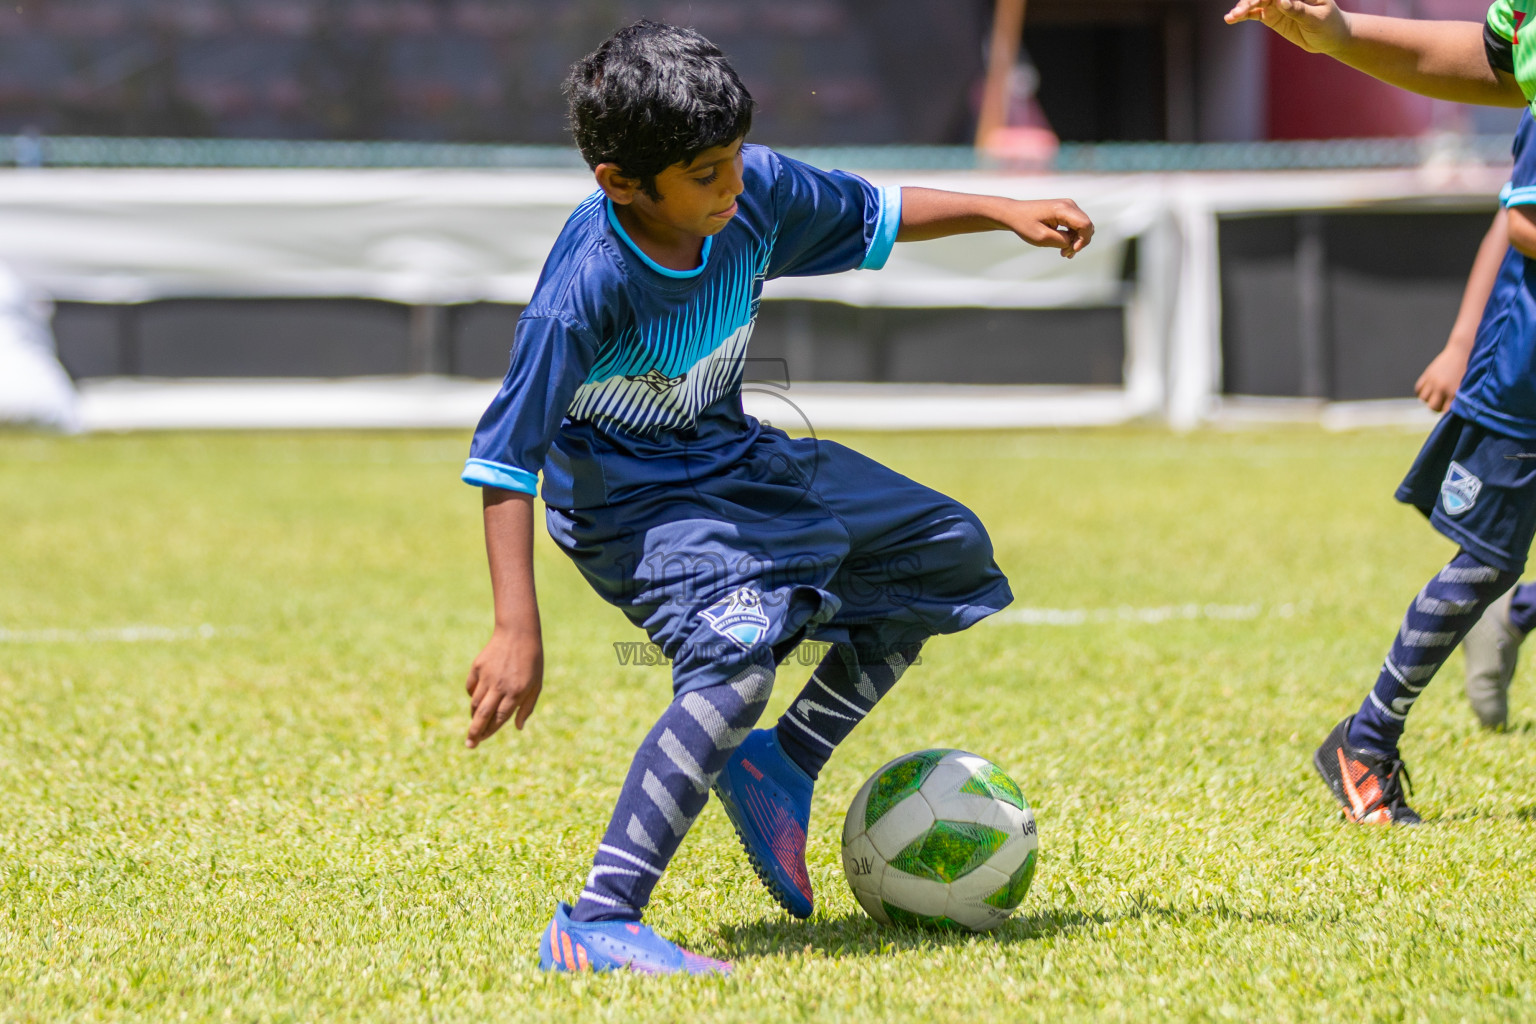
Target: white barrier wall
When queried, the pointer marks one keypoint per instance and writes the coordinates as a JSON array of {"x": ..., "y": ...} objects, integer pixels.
[{"x": 444, "y": 237}]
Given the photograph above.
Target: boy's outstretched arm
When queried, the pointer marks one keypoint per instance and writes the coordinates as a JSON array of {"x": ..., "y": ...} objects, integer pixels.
[
  {"x": 1437, "y": 385},
  {"x": 1442, "y": 59},
  {"x": 508, "y": 674},
  {"x": 1051, "y": 223}
]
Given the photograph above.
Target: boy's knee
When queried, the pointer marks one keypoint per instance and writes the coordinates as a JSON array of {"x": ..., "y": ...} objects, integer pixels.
[
  {"x": 1488, "y": 582},
  {"x": 951, "y": 561},
  {"x": 752, "y": 685},
  {"x": 971, "y": 546},
  {"x": 726, "y": 711}
]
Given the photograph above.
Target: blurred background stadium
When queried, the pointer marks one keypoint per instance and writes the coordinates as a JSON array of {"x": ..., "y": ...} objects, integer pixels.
[{"x": 328, "y": 212}]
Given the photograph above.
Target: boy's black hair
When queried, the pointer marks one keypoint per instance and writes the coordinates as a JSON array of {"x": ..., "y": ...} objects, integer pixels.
[{"x": 653, "y": 96}]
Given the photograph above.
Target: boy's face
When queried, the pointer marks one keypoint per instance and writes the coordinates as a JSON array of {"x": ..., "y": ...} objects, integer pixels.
[{"x": 697, "y": 198}]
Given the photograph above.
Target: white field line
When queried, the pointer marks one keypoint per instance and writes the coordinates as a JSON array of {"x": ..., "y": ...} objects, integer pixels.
[
  {"x": 1126, "y": 613},
  {"x": 1008, "y": 617},
  {"x": 120, "y": 634}
]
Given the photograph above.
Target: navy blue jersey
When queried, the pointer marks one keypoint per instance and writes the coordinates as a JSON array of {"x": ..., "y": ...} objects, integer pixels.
[
  {"x": 1499, "y": 389},
  {"x": 626, "y": 375}
]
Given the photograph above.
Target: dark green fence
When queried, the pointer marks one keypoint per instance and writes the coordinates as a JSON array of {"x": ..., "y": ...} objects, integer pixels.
[{"x": 1116, "y": 158}]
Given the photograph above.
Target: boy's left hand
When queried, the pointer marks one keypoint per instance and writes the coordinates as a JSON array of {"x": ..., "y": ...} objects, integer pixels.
[
  {"x": 1052, "y": 224},
  {"x": 1437, "y": 385}
]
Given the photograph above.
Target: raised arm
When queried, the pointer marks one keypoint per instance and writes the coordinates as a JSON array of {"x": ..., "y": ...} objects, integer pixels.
[
  {"x": 1051, "y": 223},
  {"x": 506, "y": 678},
  {"x": 1442, "y": 59}
]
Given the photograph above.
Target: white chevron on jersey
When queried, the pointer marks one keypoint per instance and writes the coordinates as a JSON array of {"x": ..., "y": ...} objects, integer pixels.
[
  {"x": 635, "y": 404},
  {"x": 662, "y": 373}
]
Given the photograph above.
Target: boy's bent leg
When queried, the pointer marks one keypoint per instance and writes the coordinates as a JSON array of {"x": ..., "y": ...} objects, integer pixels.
[
  {"x": 842, "y": 691},
  {"x": 768, "y": 799},
  {"x": 1359, "y": 760},
  {"x": 766, "y": 785},
  {"x": 1478, "y": 488},
  {"x": 667, "y": 786},
  {"x": 919, "y": 564},
  {"x": 1435, "y": 623}
]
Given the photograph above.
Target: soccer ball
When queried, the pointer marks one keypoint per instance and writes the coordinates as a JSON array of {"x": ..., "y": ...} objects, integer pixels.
[{"x": 940, "y": 838}]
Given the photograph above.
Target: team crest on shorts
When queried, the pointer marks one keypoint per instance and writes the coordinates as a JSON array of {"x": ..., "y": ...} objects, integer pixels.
[
  {"x": 738, "y": 617},
  {"x": 1459, "y": 492}
]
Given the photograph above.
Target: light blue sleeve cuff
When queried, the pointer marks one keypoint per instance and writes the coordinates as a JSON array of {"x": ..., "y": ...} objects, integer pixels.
[
  {"x": 1512, "y": 196},
  {"x": 886, "y": 226},
  {"x": 480, "y": 473}
]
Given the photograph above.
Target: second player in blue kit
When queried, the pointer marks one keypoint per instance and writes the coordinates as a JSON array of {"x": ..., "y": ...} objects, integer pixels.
[
  {"x": 724, "y": 539},
  {"x": 1475, "y": 477}
]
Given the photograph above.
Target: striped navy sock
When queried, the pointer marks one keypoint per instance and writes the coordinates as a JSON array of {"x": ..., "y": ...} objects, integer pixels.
[
  {"x": 1437, "y": 620},
  {"x": 845, "y": 687},
  {"x": 667, "y": 786}
]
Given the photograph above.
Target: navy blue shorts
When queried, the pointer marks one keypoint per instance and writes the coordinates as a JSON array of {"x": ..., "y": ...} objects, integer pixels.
[
  {"x": 1478, "y": 488},
  {"x": 801, "y": 539}
]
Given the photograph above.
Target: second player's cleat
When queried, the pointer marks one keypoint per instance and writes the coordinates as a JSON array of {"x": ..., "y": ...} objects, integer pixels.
[
  {"x": 1369, "y": 787},
  {"x": 1492, "y": 648},
  {"x": 768, "y": 798},
  {"x": 616, "y": 945}
]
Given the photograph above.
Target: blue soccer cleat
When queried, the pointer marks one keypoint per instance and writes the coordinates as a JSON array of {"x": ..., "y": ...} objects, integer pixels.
[
  {"x": 616, "y": 945},
  {"x": 768, "y": 799}
]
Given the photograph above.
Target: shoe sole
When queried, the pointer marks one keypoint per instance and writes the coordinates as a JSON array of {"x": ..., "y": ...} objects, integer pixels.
[{"x": 760, "y": 869}]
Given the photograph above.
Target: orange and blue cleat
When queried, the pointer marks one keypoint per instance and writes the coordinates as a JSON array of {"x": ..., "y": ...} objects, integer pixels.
[
  {"x": 616, "y": 945},
  {"x": 768, "y": 798},
  {"x": 1369, "y": 787}
]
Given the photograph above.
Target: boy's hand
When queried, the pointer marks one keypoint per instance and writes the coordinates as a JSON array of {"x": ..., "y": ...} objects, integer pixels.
[
  {"x": 1438, "y": 383},
  {"x": 1317, "y": 26},
  {"x": 505, "y": 681},
  {"x": 1052, "y": 224}
]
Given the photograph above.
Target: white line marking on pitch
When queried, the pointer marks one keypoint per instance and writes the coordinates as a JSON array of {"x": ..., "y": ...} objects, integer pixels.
[
  {"x": 1125, "y": 613},
  {"x": 121, "y": 634}
]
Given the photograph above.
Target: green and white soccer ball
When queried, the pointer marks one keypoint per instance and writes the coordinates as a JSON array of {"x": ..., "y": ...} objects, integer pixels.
[{"x": 940, "y": 838}]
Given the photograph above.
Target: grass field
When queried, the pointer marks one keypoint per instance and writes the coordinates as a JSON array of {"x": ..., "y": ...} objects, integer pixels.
[{"x": 274, "y": 818}]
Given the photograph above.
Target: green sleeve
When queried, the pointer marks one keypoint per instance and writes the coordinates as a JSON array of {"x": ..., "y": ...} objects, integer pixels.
[
  {"x": 1501, "y": 18},
  {"x": 1509, "y": 37}
]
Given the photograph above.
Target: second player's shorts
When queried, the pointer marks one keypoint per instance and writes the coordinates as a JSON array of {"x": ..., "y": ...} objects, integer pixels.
[
  {"x": 801, "y": 539},
  {"x": 1478, "y": 488}
]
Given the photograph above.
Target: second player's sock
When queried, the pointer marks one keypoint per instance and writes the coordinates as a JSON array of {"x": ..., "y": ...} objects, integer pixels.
[
  {"x": 1522, "y": 608},
  {"x": 667, "y": 786},
  {"x": 845, "y": 687},
  {"x": 1437, "y": 620}
]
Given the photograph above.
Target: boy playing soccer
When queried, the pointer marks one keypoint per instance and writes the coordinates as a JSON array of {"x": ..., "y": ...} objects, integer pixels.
[
  {"x": 1492, "y": 646},
  {"x": 726, "y": 540},
  {"x": 1476, "y": 476}
]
